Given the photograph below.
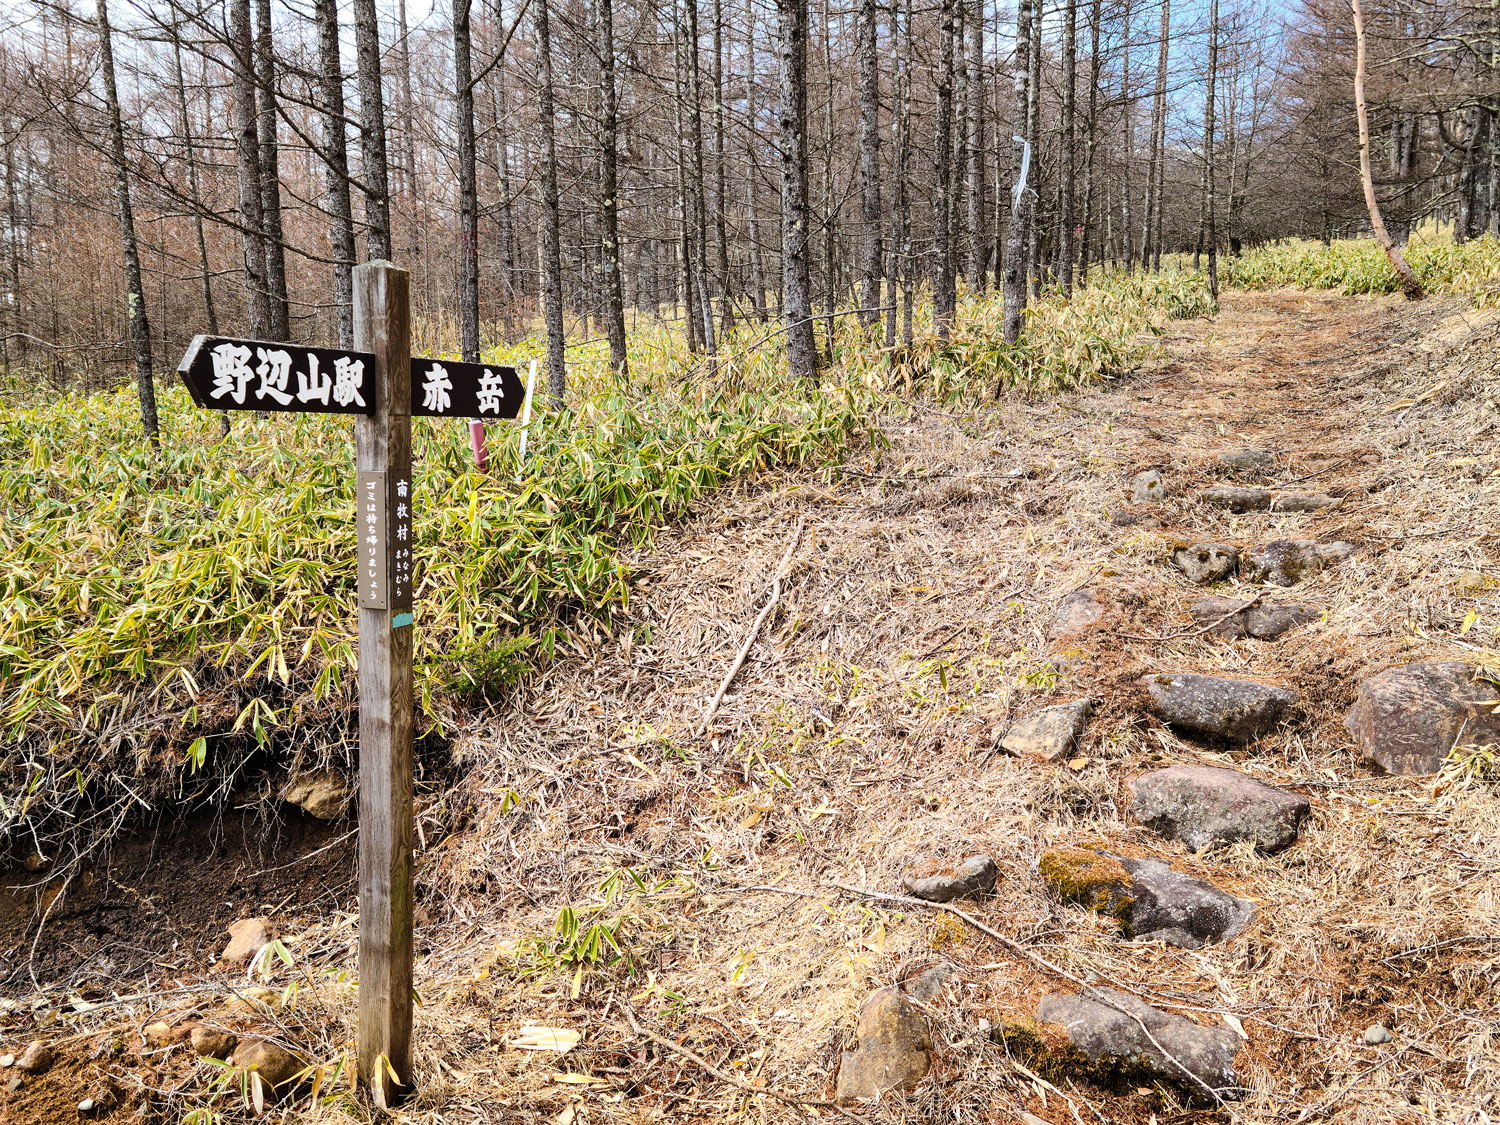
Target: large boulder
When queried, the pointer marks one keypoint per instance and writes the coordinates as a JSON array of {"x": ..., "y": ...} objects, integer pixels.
[
  {"x": 1123, "y": 1037},
  {"x": 1407, "y": 719},
  {"x": 1150, "y": 900},
  {"x": 1264, "y": 622},
  {"x": 1051, "y": 732},
  {"x": 893, "y": 1049},
  {"x": 1237, "y": 499},
  {"x": 1235, "y": 710},
  {"x": 974, "y": 876},
  {"x": 1205, "y": 562},
  {"x": 1204, "y": 806},
  {"x": 1286, "y": 562}
]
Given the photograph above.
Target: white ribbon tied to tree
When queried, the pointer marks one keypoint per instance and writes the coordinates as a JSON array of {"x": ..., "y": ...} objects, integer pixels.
[{"x": 1025, "y": 167}]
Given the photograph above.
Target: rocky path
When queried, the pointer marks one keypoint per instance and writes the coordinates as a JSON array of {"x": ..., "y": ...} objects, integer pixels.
[
  {"x": 1092, "y": 765},
  {"x": 1155, "y": 684}
]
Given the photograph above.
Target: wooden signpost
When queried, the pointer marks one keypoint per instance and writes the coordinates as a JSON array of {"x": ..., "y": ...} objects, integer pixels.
[{"x": 384, "y": 386}]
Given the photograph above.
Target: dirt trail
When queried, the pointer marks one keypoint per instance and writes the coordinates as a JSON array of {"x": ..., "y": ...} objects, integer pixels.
[{"x": 860, "y": 740}]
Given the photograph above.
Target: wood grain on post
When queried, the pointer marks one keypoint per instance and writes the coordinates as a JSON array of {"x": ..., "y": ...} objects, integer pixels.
[{"x": 383, "y": 443}]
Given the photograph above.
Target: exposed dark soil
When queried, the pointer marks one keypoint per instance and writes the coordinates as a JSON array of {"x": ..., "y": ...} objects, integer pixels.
[{"x": 159, "y": 902}]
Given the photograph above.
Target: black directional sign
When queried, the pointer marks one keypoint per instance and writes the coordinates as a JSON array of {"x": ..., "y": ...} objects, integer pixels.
[
  {"x": 443, "y": 388},
  {"x": 224, "y": 374}
]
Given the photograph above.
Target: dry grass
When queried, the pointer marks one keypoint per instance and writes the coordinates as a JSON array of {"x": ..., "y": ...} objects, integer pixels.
[{"x": 857, "y": 742}]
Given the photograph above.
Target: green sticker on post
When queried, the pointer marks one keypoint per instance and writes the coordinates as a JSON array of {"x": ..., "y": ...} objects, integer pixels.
[{"x": 402, "y": 619}]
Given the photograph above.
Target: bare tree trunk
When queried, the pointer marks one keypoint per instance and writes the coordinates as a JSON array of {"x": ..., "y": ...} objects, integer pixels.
[
  {"x": 375, "y": 172},
  {"x": 830, "y": 204},
  {"x": 869, "y": 165},
  {"x": 609, "y": 189},
  {"x": 247, "y": 154},
  {"x": 721, "y": 199},
  {"x": 1210, "y": 230},
  {"x": 801, "y": 347},
  {"x": 1086, "y": 224},
  {"x": 552, "y": 295},
  {"x": 336, "y": 167},
  {"x": 752, "y": 171},
  {"x": 1017, "y": 235},
  {"x": 697, "y": 195},
  {"x": 468, "y": 183},
  {"x": 944, "y": 297},
  {"x": 1127, "y": 157},
  {"x": 189, "y": 145},
  {"x": 1033, "y": 248},
  {"x": 1152, "y": 236},
  {"x": 903, "y": 188},
  {"x": 1410, "y": 286},
  {"x": 979, "y": 243},
  {"x": 508, "y": 255},
  {"x": 140, "y": 327},
  {"x": 270, "y": 174},
  {"x": 1068, "y": 130}
]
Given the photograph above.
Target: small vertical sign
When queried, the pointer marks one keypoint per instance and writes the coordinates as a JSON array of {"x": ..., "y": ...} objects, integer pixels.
[
  {"x": 400, "y": 508},
  {"x": 374, "y": 589}
]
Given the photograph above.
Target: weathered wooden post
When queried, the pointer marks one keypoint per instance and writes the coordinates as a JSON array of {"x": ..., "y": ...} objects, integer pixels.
[
  {"x": 382, "y": 445},
  {"x": 379, "y": 382}
]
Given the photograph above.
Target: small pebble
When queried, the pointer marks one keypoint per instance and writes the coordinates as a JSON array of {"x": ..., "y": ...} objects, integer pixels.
[
  {"x": 86, "y": 1106},
  {"x": 1376, "y": 1035},
  {"x": 7, "y": 1060},
  {"x": 13, "y": 1085}
]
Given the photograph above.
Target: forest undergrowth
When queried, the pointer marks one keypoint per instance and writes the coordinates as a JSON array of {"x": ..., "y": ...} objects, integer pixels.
[
  {"x": 171, "y": 616},
  {"x": 1358, "y": 267}
]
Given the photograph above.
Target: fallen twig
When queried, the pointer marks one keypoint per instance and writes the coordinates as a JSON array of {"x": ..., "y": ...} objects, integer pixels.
[
  {"x": 1194, "y": 632},
  {"x": 739, "y": 1083},
  {"x": 739, "y": 659}
]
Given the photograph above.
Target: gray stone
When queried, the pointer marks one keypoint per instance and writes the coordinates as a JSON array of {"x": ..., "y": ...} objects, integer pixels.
[
  {"x": 7, "y": 1061},
  {"x": 1178, "y": 909},
  {"x": 1206, "y": 562},
  {"x": 1148, "y": 487},
  {"x": 1302, "y": 502},
  {"x": 893, "y": 1049},
  {"x": 324, "y": 795},
  {"x": 1051, "y": 732},
  {"x": 1075, "y": 613},
  {"x": 1124, "y": 1034},
  {"x": 976, "y": 875},
  {"x": 1204, "y": 805},
  {"x": 1236, "y": 710},
  {"x": 1285, "y": 562},
  {"x": 1247, "y": 460},
  {"x": 1127, "y": 518},
  {"x": 210, "y": 1043},
  {"x": 36, "y": 1058},
  {"x": 1237, "y": 499},
  {"x": 246, "y": 936},
  {"x": 13, "y": 1085},
  {"x": 1262, "y": 621},
  {"x": 925, "y": 986},
  {"x": 1407, "y": 719},
  {"x": 1149, "y": 900},
  {"x": 1375, "y": 1035},
  {"x": 275, "y": 1064}
]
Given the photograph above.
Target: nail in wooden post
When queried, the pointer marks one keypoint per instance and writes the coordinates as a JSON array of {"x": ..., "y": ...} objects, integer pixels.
[{"x": 383, "y": 446}]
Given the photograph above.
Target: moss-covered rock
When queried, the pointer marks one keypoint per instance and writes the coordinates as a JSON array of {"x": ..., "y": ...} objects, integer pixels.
[{"x": 1091, "y": 879}]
